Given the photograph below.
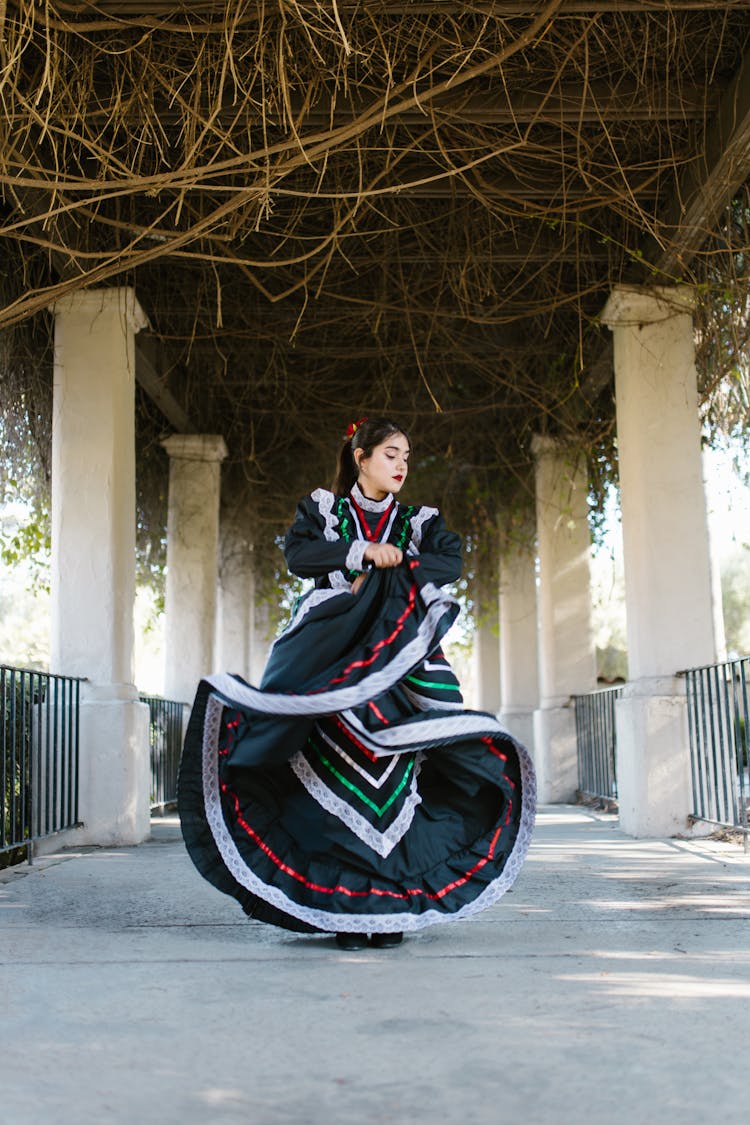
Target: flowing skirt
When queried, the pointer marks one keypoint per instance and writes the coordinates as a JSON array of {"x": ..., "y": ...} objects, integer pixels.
[{"x": 351, "y": 791}]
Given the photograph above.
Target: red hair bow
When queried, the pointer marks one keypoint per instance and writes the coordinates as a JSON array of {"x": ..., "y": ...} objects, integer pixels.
[{"x": 352, "y": 428}]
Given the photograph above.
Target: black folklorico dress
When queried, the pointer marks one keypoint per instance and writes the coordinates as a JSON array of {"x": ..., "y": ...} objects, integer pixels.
[{"x": 351, "y": 791}]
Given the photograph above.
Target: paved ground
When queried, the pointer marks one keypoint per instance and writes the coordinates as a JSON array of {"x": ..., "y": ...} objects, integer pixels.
[{"x": 611, "y": 986}]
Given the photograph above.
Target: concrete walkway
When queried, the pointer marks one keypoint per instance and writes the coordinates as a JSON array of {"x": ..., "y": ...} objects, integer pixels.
[{"x": 611, "y": 986}]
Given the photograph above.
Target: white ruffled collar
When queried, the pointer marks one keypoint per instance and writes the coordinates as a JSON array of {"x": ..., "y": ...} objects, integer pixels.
[{"x": 368, "y": 505}]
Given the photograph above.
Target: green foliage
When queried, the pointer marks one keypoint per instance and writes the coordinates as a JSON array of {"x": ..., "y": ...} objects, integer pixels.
[
  {"x": 611, "y": 664},
  {"x": 735, "y": 594},
  {"x": 28, "y": 541},
  {"x": 151, "y": 492},
  {"x": 26, "y": 440},
  {"x": 25, "y": 537},
  {"x": 723, "y": 329},
  {"x": 275, "y": 588}
]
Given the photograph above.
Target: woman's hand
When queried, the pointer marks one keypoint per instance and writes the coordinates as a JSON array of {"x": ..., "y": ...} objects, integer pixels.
[
  {"x": 358, "y": 582},
  {"x": 383, "y": 554}
]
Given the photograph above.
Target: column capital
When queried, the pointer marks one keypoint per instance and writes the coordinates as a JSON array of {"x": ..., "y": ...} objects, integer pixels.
[
  {"x": 119, "y": 299},
  {"x": 543, "y": 443},
  {"x": 565, "y": 451},
  {"x": 634, "y": 305},
  {"x": 196, "y": 447}
]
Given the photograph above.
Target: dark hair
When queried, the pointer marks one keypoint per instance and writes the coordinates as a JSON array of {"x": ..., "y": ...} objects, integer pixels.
[{"x": 371, "y": 432}]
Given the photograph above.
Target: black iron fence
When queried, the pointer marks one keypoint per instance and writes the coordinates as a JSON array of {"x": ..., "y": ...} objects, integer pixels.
[
  {"x": 718, "y": 716},
  {"x": 39, "y": 730},
  {"x": 165, "y": 739},
  {"x": 596, "y": 740}
]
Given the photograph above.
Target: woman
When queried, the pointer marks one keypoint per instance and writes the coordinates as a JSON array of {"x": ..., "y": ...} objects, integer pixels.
[{"x": 351, "y": 793}]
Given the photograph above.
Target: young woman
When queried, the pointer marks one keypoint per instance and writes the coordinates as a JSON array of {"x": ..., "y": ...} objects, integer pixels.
[{"x": 351, "y": 793}]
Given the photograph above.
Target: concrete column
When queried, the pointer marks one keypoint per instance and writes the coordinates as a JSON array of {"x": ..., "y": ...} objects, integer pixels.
[
  {"x": 263, "y": 638},
  {"x": 93, "y": 555},
  {"x": 567, "y": 658},
  {"x": 666, "y": 553},
  {"x": 236, "y": 618},
  {"x": 486, "y": 653},
  {"x": 192, "y": 560},
  {"x": 519, "y": 647}
]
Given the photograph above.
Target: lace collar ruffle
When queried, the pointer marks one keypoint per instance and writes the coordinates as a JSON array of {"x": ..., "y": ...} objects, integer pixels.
[{"x": 368, "y": 505}]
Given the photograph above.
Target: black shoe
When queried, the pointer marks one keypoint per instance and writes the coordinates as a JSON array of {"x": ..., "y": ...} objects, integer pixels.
[
  {"x": 386, "y": 941},
  {"x": 351, "y": 941}
]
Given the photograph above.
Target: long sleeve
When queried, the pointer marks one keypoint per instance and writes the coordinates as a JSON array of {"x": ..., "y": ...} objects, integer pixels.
[
  {"x": 439, "y": 552},
  {"x": 315, "y": 548},
  {"x": 307, "y": 551}
]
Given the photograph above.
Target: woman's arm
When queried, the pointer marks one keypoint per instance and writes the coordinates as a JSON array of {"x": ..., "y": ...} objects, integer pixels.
[
  {"x": 307, "y": 551},
  {"x": 439, "y": 553}
]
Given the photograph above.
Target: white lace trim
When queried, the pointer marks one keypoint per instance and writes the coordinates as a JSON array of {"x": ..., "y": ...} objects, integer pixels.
[
  {"x": 375, "y": 782},
  {"x": 424, "y": 703},
  {"x": 393, "y": 740},
  {"x": 325, "y": 501},
  {"x": 355, "y": 555},
  {"x": 381, "y": 842},
  {"x": 368, "y": 505},
  {"x": 432, "y": 593},
  {"x": 355, "y": 923},
  {"x": 315, "y": 597},
  {"x": 327, "y": 702},
  {"x": 417, "y": 528}
]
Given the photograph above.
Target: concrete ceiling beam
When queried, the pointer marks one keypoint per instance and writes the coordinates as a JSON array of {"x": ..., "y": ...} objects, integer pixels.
[{"x": 148, "y": 377}]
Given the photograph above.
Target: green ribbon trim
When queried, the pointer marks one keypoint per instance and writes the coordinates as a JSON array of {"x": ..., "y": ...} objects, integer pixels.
[
  {"x": 438, "y": 687},
  {"x": 344, "y": 519},
  {"x": 405, "y": 528},
  {"x": 345, "y": 525},
  {"x": 358, "y": 792}
]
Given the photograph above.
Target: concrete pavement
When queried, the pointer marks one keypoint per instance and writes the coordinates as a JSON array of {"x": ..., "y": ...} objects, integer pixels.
[{"x": 612, "y": 985}]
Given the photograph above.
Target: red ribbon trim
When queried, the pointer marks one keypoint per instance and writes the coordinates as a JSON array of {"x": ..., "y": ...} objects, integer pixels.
[
  {"x": 432, "y": 896},
  {"x": 373, "y": 536}
]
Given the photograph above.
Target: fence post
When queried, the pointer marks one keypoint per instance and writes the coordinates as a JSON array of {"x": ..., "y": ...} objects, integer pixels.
[
  {"x": 39, "y": 767},
  {"x": 718, "y": 719}
]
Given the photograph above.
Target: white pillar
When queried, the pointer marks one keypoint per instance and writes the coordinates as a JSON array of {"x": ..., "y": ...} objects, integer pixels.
[
  {"x": 93, "y": 555},
  {"x": 486, "y": 653},
  {"x": 192, "y": 560},
  {"x": 519, "y": 647},
  {"x": 236, "y": 618},
  {"x": 263, "y": 638},
  {"x": 668, "y": 585},
  {"x": 567, "y": 658}
]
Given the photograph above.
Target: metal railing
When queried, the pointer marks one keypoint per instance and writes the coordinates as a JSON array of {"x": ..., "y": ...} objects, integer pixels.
[
  {"x": 165, "y": 740},
  {"x": 718, "y": 721},
  {"x": 596, "y": 741},
  {"x": 39, "y": 738}
]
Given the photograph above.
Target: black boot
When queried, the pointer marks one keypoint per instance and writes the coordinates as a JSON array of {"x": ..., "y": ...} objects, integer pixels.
[
  {"x": 351, "y": 941},
  {"x": 386, "y": 941}
]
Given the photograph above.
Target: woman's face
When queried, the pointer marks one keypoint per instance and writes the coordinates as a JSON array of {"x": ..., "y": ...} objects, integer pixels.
[{"x": 385, "y": 470}]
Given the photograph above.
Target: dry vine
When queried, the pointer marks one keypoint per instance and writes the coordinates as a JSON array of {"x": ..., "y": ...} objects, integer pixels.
[{"x": 333, "y": 208}]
